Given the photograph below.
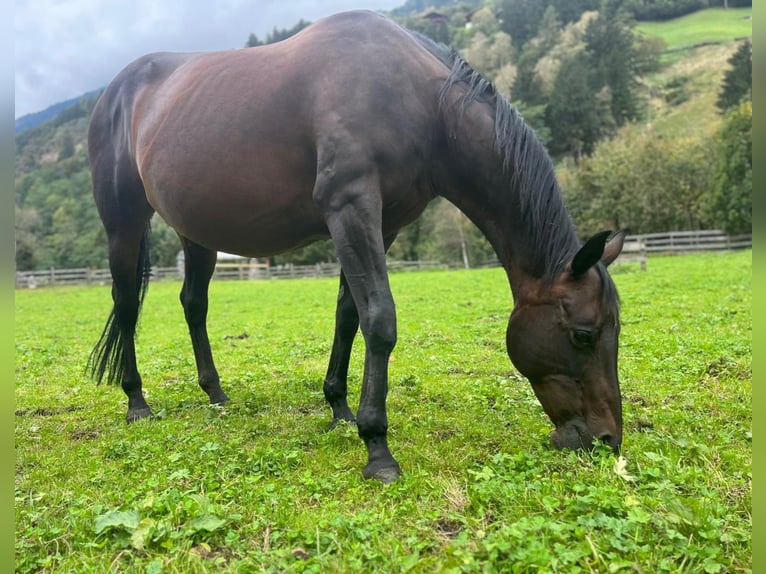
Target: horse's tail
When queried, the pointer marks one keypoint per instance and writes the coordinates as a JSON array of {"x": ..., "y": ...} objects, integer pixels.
[{"x": 106, "y": 357}]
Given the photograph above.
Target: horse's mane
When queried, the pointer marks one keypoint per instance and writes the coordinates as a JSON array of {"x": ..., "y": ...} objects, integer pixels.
[{"x": 552, "y": 240}]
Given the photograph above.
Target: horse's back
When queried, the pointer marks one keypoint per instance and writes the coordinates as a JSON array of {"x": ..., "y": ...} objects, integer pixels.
[{"x": 240, "y": 135}]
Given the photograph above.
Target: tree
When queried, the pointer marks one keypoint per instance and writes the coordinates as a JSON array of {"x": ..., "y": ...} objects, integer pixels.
[
  {"x": 738, "y": 79},
  {"x": 572, "y": 10},
  {"x": 276, "y": 35},
  {"x": 549, "y": 31},
  {"x": 67, "y": 147},
  {"x": 526, "y": 86},
  {"x": 573, "y": 115},
  {"x": 407, "y": 244},
  {"x": 489, "y": 54},
  {"x": 647, "y": 53},
  {"x": 317, "y": 252},
  {"x": 165, "y": 243},
  {"x": 612, "y": 58},
  {"x": 28, "y": 249},
  {"x": 731, "y": 203},
  {"x": 446, "y": 235},
  {"x": 520, "y": 19}
]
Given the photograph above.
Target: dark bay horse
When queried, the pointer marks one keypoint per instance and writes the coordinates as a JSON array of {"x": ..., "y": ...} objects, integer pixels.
[{"x": 348, "y": 130}]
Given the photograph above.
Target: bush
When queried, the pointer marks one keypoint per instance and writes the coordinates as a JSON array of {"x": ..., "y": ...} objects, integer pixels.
[
  {"x": 641, "y": 180},
  {"x": 666, "y": 9}
]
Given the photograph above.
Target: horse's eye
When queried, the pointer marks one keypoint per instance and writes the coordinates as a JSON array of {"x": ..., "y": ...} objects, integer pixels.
[{"x": 583, "y": 338}]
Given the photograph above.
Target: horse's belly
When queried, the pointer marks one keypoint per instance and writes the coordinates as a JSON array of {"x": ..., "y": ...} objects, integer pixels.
[{"x": 253, "y": 223}]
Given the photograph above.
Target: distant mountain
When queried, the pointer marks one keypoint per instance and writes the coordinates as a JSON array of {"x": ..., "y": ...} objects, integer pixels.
[{"x": 29, "y": 121}]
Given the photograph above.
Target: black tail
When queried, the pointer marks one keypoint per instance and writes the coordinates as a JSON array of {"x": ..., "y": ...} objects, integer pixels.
[{"x": 106, "y": 357}]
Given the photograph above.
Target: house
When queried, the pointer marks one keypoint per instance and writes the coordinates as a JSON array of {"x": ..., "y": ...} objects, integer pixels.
[{"x": 436, "y": 17}]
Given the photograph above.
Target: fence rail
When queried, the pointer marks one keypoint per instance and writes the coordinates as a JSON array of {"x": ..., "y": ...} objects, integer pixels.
[
  {"x": 636, "y": 249},
  {"x": 689, "y": 241}
]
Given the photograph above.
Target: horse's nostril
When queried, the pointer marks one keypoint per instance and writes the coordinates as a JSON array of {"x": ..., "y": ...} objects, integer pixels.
[{"x": 610, "y": 440}]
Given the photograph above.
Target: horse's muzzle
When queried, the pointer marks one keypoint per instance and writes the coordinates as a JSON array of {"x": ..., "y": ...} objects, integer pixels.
[{"x": 575, "y": 435}]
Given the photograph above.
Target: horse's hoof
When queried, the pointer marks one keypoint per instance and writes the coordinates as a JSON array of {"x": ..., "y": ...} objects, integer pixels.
[
  {"x": 138, "y": 414},
  {"x": 219, "y": 399},
  {"x": 341, "y": 420},
  {"x": 386, "y": 475}
]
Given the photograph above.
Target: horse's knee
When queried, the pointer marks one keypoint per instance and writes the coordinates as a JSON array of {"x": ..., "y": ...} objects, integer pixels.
[
  {"x": 195, "y": 309},
  {"x": 381, "y": 330}
]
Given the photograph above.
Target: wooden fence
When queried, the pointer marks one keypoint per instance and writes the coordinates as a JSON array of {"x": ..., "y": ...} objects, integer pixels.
[
  {"x": 223, "y": 271},
  {"x": 638, "y": 247},
  {"x": 636, "y": 250}
]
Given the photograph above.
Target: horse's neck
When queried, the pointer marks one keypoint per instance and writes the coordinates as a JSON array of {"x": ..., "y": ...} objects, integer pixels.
[
  {"x": 482, "y": 189},
  {"x": 490, "y": 210},
  {"x": 474, "y": 184}
]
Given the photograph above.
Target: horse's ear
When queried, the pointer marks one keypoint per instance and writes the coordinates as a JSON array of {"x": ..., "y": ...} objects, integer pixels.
[
  {"x": 613, "y": 247},
  {"x": 590, "y": 253}
]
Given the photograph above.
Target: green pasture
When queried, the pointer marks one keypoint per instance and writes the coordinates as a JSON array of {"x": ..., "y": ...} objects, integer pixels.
[
  {"x": 263, "y": 485},
  {"x": 711, "y": 25}
]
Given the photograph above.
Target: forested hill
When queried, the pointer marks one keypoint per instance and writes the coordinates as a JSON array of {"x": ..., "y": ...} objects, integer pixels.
[
  {"x": 29, "y": 121},
  {"x": 649, "y": 124}
]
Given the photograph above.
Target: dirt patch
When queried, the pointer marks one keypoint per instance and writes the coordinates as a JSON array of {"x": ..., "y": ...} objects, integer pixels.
[
  {"x": 448, "y": 528},
  {"x": 84, "y": 434},
  {"x": 737, "y": 493},
  {"x": 239, "y": 337},
  {"x": 47, "y": 411},
  {"x": 643, "y": 425}
]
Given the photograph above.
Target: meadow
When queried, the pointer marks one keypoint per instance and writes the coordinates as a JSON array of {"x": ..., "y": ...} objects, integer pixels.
[
  {"x": 705, "y": 26},
  {"x": 264, "y": 485}
]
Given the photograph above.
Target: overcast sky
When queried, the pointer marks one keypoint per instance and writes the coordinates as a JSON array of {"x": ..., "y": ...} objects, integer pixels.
[{"x": 65, "y": 48}]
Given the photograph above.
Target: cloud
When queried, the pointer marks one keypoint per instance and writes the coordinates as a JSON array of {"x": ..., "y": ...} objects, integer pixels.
[{"x": 65, "y": 48}]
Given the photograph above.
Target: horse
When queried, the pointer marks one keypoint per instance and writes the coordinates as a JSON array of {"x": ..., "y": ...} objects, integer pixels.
[{"x": 347, "y": 130}]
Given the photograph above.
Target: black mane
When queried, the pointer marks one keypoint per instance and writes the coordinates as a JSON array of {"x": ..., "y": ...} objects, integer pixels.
[{"x": 552, "y": 241}]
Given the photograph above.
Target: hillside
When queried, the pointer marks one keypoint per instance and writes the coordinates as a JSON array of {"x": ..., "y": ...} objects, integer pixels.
[
  {"x": 29, "y": 121},
  {"x": 714, "y": 25},
  {"x": 52, "y": 141},
  {"x": 682, "y": 95}
]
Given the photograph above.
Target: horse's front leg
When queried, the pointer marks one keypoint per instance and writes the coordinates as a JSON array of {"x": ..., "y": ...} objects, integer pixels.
[{"x": 354, "y": 219}]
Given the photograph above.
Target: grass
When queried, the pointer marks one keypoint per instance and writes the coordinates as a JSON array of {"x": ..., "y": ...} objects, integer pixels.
[
  {"x": 705, "y": 26},
  {"x": 264, "y": 486}
]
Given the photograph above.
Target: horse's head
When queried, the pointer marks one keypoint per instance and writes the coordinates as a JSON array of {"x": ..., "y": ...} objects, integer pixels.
[{"x": 563, "y": 337}]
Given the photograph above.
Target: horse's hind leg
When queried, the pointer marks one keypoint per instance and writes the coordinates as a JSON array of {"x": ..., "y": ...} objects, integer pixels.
[
  {"x": 346, "y": 325},
  {"x": 199, "y": 264},
  {"x": 127, "y": 227},
  {"x": 126, "y": 293}
]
